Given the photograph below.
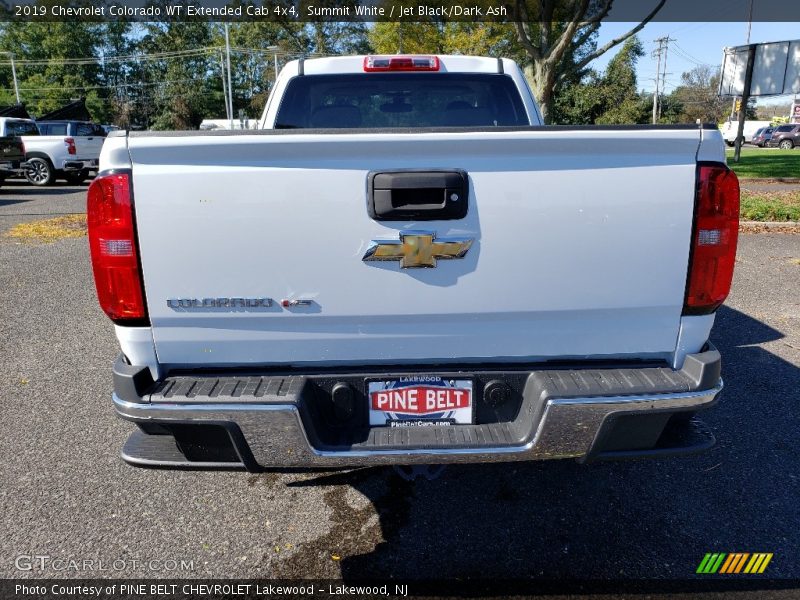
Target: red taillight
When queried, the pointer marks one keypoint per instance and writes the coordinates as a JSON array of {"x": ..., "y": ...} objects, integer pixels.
[
  {"x": 22, "y": 147},
  {"x": 112, "y": 243},
  {"x": 70, "y": 142},
  {"x": 716, "y": 230},
  {"x": 401, "y": 63}
]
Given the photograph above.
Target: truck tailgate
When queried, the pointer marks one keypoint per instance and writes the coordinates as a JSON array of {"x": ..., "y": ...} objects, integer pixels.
[
  {"x": 13, "y": 151},
  {"x": 88, "y": 147},
  {"x": 581, "y": 246}
]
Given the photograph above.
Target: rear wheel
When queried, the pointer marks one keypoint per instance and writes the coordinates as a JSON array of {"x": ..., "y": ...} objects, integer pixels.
[
  {"x": 76, "y": 177},
  {"x": 786, "y": 145},
  {"x": 729, "y": 143},
  {"x": 40, "y": 172}
]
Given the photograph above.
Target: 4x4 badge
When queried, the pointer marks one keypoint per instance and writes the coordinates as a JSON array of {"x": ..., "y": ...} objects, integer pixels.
[{"x": 418, "y": 249}]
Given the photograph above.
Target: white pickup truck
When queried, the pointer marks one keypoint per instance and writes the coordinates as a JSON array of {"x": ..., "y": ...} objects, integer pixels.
[
  {"x": 57, "y": 149},
  {"x": 403, "y": 266}
]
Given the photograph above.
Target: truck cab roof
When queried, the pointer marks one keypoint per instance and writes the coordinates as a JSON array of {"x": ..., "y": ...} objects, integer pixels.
[{"x": 355, "y": 64}]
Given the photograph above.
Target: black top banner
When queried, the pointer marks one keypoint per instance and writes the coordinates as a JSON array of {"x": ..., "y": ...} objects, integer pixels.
[{"x": 398, "y": 10}]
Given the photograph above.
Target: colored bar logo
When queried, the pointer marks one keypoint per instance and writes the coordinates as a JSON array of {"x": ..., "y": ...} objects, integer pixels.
[{"x": 733, "y": 563}]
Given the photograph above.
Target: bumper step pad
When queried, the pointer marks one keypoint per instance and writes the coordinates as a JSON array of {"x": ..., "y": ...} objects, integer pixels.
[
  {"x": 678, "y": 438},
  {"x": 146, "y": 450}
]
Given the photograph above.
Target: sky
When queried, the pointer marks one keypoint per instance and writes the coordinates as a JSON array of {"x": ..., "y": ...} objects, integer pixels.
[{"x": 696, "y": 42}]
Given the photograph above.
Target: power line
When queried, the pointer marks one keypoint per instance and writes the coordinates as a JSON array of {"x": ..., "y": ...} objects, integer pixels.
[
  {"x": 684, "y": 54},
  {"x": 166, "y": 55},
  {"x": 93, "y": 60},
  {"x": 104, "y": 87}
]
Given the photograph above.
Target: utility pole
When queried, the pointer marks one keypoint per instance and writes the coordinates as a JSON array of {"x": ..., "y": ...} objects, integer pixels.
[
  {"x": 230, "y": 91},
  {"x": 224, "y": 86},
  {"x": 658, "y": 79},
  {"x": 14, "y": 74},
  {"x": 748, "y": 81},
  {"x": 661, "y": 73},
  {"x": 400, "y": 37},
  {"x": 664, "y": 73},
  {"x": 749, "y": 28}
]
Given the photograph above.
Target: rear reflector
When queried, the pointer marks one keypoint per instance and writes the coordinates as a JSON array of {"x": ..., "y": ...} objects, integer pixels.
[
  {"x": 716, "y": 230},
  {"x": 112, "y": 244},
  {"x": 116, "y": 248},
  {"x": 401, "y": 63}
]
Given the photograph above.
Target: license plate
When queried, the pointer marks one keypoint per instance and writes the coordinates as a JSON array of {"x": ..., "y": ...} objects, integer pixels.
[
  {"x": 5, "y": 166},
  {"x": 422, "y": 400}
]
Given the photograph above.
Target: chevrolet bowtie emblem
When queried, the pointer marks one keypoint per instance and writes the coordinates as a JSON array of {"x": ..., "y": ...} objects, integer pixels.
[{"x": 417, "y": 249}]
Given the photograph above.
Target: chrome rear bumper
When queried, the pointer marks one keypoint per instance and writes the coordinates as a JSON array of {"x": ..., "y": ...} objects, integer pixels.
[
  {"x": 271, "y": 420},
  {"x": 275, "y": 434}
]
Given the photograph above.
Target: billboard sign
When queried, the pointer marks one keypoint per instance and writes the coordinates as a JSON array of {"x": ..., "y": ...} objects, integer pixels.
[{"x": 776, "y": 69}]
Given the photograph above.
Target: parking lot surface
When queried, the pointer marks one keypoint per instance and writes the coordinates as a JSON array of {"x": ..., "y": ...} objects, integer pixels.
[{"x": 65, "y": 492}]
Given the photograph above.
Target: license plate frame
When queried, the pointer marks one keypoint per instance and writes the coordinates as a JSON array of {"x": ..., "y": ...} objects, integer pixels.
[{"x": 420, "y": 401}]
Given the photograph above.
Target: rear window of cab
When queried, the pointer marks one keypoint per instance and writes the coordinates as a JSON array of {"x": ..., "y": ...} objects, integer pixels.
[
  {"x": 388, "y": 100},
  {"x": 21, "y": 128}
]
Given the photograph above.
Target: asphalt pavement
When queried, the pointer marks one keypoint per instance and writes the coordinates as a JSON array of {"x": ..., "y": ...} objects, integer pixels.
[{"x": 65, "y": 493}]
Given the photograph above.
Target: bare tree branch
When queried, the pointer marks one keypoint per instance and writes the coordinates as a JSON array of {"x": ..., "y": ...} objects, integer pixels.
[
  {"x": 585, "y": 33},
  {"x": 545, "y": 25},
  {"x": 577, "y": 43},
  {"x": 618, "y": 40},
  {"x": 523, "y": 31},
  {"x": 602, "y": 13},
  {"x": 565, "y": 39}
]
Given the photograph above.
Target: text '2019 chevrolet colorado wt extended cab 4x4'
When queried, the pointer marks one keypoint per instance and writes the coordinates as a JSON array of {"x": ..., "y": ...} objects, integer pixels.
[{"x": 403, "y": 266}]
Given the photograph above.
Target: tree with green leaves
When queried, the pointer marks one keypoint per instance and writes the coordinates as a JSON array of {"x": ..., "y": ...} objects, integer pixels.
[
  {"x": 257, "y": 45},
  {"x": 254, "y": 45},
  {"x": 184, "y": 87},
  {"x": 557, "y": 37},
  {"x": 697, "y": 96},
  {"x": 113, "y": 45},
  {"x": 50, "y": 71},
  {"x": 442, "y": 37},
  {"x": 606, "y": 98}
]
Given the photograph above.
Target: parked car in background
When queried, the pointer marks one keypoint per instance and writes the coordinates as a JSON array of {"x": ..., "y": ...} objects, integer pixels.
[
  {"x": 57, "y": 149},
  {"x": 12, "y": 157},
  {"x": 762, "y": 136},
  {"x": 730, "y": 128},
  {"x": 785, "y": 137}
]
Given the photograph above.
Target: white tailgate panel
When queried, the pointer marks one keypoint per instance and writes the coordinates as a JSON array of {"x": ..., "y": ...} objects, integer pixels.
[
  {"x": 581, "y": 247},
  {"x": 89, "y": 147}
]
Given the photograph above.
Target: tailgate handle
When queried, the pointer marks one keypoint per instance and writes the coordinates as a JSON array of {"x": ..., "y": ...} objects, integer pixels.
[{"x": 427, "y": 195}]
